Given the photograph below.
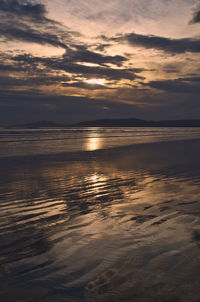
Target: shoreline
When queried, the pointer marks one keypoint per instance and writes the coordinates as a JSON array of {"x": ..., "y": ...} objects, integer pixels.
[
  {"x": 131, "y": 212},
  {"x": 161, "y": 157},
  {"x": 81, "y": 155}
]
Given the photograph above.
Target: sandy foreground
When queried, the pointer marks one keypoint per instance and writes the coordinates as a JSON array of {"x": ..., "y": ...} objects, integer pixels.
[{"x": 111, "y": 225}]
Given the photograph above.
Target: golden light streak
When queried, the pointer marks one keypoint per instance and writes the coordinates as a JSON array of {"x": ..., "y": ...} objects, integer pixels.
[
  {"x": 95, "y": 81},
  {"x": 93, "y": 141}
]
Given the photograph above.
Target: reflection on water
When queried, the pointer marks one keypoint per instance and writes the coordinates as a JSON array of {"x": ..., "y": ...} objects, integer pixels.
[
  {"x": 93, "y": 142},
  {"x": 113, "y": 226},
  {"x": 23, "y": 142}
]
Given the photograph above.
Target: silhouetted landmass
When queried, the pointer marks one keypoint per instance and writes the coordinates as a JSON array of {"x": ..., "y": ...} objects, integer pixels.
[
  {"x": 114, "y": 123},
  {"x": 138, "y": 123}
]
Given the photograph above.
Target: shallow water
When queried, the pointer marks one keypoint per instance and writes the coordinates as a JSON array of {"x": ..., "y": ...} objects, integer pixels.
[
  {"x": 110, "y": 225},
  {"x": 23, "y": 142}
]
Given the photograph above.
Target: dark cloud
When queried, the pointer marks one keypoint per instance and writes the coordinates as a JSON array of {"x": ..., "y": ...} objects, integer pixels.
[
  {"x": 22, "y": 26},
  {"x": 25, "y": 33},
  {"x": 102, "y": 47},
  {"x": 17, "y": 107},
  {"x": 82, "y": 54},
  {"x": 27, "y": 22},
  {"x": 27, "y": 10},
  {"x": 19, "y": 22},
  {"x": 46, "y": 80},
  {"x": 191, "y": 79},
  {"x": 172, "y": 68},
  {"x": 96, "y": 72},
  {"x": 173, "y": 46},
  {"x": 23, "y": 97},
  {"x": 25, "y": 71},
  {"x": 22, "y": 107},
  {"x": 8, "y": 67},
  {"x": 22, "y": 32},
  {"x": 196, "y": 16},
  {"x": 181, "y": 85},
  {"x": 64, "y": 64}
]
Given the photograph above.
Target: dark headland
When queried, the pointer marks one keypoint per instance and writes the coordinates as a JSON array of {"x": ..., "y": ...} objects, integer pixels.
[
  {"x": 132, "y": 122},
  {"x": 138, "y": 123}
]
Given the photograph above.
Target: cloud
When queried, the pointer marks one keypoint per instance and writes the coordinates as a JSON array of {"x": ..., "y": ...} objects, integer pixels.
[
  {"x": 25, "y": 106},
  {"x": 24, "y": 21},
  {"x": 169, "y": 45},
  {"x": 17, "y": 107},
  {"x": 196, "y": 16},
  {"x": 35, "y": 86},
  {"x": 102, "y": 47},
  {"x": 22, "y": 32},
  {"x": 181, "y": 85},
  {"x": 65, "y": 64},
  {"x": 27, "y": 71},
  {"x": 27, "y": 10},
  {"x": 44, "y": 80},
  {"x": 95, "y": 72},
  {"x": 82, "y": 54}
]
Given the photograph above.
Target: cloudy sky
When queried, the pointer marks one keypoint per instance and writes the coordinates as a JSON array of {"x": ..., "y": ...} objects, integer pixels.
[{"x": 75, "y": 60}]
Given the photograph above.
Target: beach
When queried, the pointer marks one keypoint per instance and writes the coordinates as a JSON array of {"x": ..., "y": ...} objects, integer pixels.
[{"x": 110, "y": 224}]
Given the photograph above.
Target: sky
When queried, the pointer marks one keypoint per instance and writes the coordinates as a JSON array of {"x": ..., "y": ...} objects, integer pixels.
[{"x": 75, "y": 60}]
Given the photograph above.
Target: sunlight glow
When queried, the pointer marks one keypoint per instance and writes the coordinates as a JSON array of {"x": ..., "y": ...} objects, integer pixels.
[
  {"x": 95, "y": 81},
  {"x": 93, "y": 141}
]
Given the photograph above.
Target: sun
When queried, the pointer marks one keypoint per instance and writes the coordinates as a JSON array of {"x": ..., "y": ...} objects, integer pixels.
[{"x": 95, "y": 81}]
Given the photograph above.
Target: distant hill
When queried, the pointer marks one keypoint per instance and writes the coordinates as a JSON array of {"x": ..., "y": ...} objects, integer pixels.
[
  {"x": 138, "y": 123},
  {"x": 114, "y": 123}
]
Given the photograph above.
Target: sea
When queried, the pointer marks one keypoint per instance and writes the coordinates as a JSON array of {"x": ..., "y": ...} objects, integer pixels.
[
  {"x": 24, "y": 142},
  {"x": 100, "y": 215}
]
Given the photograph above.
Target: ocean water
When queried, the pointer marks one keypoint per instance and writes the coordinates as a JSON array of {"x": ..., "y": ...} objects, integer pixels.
[
  {"x": 21, "y": 142},
  {"x": 107, "y": 224}
]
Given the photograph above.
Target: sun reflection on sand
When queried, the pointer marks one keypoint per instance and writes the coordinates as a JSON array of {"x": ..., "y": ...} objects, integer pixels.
[
  {"x": 93, "y": 142},
  {"x": 97, "y": 182},
  {"x": 119, "y": 219}
]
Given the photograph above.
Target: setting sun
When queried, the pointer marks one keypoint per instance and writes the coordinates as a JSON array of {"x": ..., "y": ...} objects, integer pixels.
[
  {"x": 99, "y": 150},
  {"x": 95, "y": 81}
]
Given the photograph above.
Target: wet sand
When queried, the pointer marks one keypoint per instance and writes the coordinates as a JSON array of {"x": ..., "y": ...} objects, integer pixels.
[{"x": 110, "y": 225}]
